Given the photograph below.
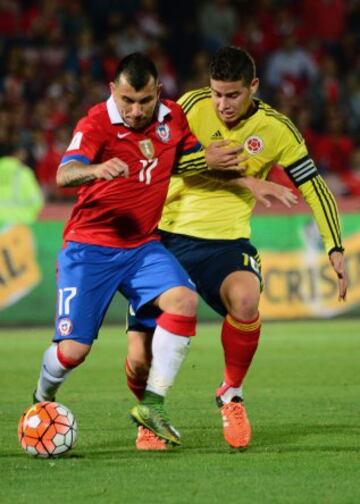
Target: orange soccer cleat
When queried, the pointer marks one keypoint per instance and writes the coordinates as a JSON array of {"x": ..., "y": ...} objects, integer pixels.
[
  {"x": 148, "y": 440},
  {"x": 237, "y": 429}
]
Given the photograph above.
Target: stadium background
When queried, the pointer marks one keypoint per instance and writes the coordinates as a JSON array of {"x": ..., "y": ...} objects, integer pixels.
[{"x": 56, "y": 59}]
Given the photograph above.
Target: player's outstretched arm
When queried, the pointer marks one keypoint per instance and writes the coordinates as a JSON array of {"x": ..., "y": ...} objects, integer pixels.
[
  {"x": 75, "y": 173},
  {"x": 337, "y": 261},
  {"x": 263, "y": 191},
  {"x": 317, "y": 194}
]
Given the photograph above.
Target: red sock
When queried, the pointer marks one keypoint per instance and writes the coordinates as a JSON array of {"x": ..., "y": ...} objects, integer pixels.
[
  {"x": 240, "y": 340},
  {"x": 135, "y": 383}
]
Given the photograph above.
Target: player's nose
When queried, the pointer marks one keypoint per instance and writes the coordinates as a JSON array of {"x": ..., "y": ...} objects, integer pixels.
[
  {"x": 222, "y": 104},
  {"x": 136, "y": 110}
]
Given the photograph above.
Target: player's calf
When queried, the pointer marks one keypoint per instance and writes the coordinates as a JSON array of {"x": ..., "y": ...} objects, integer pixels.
[
  {"x": 136, "y": 377},
  {"x": 54, "y": 369}
]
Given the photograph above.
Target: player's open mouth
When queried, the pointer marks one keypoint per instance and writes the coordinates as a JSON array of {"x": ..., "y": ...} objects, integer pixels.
[{"x": 227, "y": 115}]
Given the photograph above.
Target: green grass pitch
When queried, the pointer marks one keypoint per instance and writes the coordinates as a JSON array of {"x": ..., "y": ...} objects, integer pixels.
[{"x": 302, "y": 396}]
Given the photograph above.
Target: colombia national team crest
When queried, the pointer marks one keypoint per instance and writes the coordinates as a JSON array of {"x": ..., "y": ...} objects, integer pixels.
[
  {"x": 163, "y": 132},
  {"x": 147, "y": 148},
  {"x": 254, "y": 144}
]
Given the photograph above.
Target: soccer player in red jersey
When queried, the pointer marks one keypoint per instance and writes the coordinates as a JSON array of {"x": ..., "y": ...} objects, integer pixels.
[{"x": 121, "y": 156}]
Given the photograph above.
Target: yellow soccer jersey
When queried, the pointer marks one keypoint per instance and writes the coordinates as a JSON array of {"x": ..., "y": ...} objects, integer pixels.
[{"x": 200, "y": 206}]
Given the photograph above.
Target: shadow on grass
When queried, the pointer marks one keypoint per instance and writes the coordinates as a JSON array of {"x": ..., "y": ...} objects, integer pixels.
[
  {"x": 25, "y": 456},
  {"x": 289, "y": 438}
]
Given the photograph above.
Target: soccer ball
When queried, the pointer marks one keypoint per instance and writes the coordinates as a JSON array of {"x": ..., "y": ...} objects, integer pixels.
[{"x": 47, "y": 429}]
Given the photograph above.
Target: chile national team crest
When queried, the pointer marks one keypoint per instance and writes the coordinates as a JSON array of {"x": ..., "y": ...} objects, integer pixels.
[
  {"x": 254, "y": 144},
  {"x": 163, "y": 132},
  {"x": 65, "y": 326}
]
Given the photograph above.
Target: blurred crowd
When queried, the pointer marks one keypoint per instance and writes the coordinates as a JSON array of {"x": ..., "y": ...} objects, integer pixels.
[{"x": 57, "y": 58}]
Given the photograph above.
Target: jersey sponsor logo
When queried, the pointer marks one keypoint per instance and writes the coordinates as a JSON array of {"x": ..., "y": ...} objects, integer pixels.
[
  {"x": 147, "y": 148},
  {"x": 254, "y": 144},
  {"x": 65, "y": 326},
  {"x": 76, "y": 141},
  {"x": 163, "y": 132},
  {"x": 216, "y": 136},
  {"x": 123, "y": 135}
]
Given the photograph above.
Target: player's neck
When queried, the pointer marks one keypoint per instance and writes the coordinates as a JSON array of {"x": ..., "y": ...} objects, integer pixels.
[{"x": 251, "y": 109}]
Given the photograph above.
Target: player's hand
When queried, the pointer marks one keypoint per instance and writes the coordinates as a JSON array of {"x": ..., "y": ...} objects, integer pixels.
[
  {"x": 111, "y": 169},
  {"x": 263, "y": 191},
  {"x": 219, "y": 156},
  {"x": 337, "y": 261}
]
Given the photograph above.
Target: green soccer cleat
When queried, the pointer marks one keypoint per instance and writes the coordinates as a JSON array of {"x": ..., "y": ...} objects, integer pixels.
[
  {"x": 36, "y": 400},
  {"x": 154, "y": 418}
]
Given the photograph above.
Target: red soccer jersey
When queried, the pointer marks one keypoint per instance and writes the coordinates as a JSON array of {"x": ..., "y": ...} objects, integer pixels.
[{"x": 125, "y": 212}]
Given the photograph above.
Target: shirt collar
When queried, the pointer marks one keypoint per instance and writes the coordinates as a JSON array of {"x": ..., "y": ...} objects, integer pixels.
[{"x": 116, "y": 118}]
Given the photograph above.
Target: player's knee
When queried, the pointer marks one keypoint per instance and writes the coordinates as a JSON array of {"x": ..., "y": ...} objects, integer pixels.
[
  {"x": 244, "y": 307},
  {"x": 71, "y": 353},
  {"x": 180, "y": 301},
  {"x": 188, "y": 303}
]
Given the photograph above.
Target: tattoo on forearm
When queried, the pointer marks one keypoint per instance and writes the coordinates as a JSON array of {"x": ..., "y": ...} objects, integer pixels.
[{"x": 75, "y": 174}]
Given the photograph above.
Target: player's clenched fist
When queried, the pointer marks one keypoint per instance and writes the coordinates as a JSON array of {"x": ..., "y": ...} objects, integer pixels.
[{"x": 111, "y": 169}]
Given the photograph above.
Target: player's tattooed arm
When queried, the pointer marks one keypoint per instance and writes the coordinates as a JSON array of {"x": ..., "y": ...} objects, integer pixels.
[{"x": 75, "y": 173}]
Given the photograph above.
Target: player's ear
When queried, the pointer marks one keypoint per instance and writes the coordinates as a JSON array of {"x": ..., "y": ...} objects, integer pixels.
[
  {"x": 159, "y": 88},
  {"x": 254, "y": 86},
  {"x": 112, "y": 87}
]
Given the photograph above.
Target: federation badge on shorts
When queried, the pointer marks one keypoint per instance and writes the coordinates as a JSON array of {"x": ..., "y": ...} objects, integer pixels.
[
  {"x": 65, "y": 326},
  {"x": 147, "y": 148},
  {"x": 163, "y": 132},
  {"x": 254, "y": 144}
]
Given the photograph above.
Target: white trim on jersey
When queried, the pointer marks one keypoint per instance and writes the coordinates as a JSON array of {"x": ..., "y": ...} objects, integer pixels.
[{"x": 116, "y": 118}]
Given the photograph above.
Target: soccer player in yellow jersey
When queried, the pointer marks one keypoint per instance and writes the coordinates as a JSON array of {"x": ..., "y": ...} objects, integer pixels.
[{"x": 206, "y": 221}]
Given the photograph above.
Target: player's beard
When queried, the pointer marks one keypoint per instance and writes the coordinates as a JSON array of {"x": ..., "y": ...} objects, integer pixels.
[
  {"x": 143, "y": 121},
  {"x": 139, "y": 123}
]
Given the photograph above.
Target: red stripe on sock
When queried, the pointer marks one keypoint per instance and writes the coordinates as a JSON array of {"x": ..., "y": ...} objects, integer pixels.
[
  {"x": 177, "y": 324},
  {"x": 136, "y": 384},
  {"x": 67, "y": 362},
  {"x": 239, "y": 348}
]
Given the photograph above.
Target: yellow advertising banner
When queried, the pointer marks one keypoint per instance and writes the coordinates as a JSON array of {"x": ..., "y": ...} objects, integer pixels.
[
  {"x": 19, "y": 271},
  {"x": 303, "y": 284}
]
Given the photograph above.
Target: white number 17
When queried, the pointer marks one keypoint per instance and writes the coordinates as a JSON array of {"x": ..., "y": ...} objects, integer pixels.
[
  {"x": 65, "y": 296},
  {"x": 147, "y": 168}
]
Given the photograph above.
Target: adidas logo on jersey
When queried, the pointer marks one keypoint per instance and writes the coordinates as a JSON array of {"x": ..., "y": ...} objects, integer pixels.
[{"x": 217, "y": 136}]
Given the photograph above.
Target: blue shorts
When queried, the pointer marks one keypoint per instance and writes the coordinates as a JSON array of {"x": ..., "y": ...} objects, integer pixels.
[
  {"x": 90, "y": 275},
  {"x": 208, "y": 263}
]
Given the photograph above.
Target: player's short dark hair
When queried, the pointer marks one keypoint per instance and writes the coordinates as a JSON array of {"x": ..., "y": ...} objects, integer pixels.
[
  {"x": 138, "y": 68},
  {"x": 232, "y": 64}
]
